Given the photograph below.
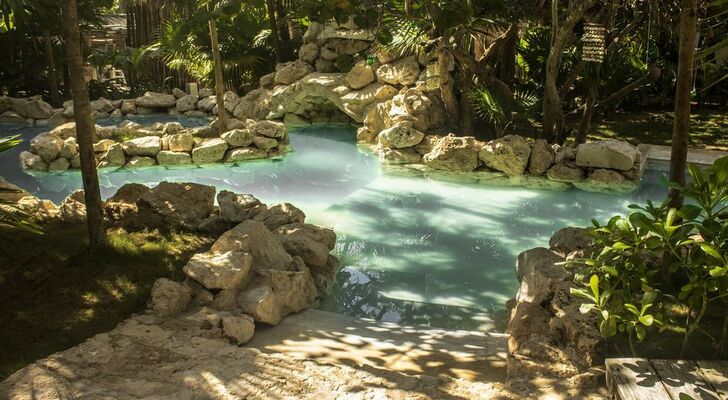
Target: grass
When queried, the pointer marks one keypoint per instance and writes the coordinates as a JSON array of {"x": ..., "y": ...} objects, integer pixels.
[
  {"x": 708, "y": 128},
  {"x": 54, "y": 295}
]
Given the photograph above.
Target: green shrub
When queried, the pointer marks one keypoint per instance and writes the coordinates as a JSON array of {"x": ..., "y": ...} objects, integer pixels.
[
  {"x": 10, "y": 214},
  {"x": 659, "y": 259}
]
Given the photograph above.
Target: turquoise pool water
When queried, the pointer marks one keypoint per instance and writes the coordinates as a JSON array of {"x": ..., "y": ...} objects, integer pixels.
[{"x": 414, "y": 251}]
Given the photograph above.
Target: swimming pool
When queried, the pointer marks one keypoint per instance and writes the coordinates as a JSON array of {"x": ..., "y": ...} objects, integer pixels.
[{"x": 415, "y": 251}]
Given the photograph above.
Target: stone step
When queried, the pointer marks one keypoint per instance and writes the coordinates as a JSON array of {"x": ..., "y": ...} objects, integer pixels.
[{"x": 337, "y": 339}]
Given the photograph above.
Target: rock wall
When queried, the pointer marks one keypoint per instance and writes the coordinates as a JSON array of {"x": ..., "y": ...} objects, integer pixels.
[
  {"x": 266, "y": 263},
  {"x": 610, "y": 166},
  {"x": 549, "y": 337},
  {"x": 131, "y": 145}
]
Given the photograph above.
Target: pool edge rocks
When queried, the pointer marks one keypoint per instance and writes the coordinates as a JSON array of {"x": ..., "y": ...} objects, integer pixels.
[
  {"x": 549, "y": 338},
  {"x": 130, "y": 145}
]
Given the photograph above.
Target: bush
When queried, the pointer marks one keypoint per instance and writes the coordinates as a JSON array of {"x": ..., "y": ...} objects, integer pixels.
[{"x": 660, "y": 259}]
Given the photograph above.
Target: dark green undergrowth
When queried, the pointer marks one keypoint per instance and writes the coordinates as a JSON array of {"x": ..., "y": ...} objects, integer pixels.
[
  {"x": 53, "y": 295},
  {"x": 708, "y": 128}
]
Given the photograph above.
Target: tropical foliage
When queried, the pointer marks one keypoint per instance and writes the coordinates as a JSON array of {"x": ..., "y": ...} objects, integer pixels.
[
  {"x": 660, "y": 259},
  {"x": 10, "y": 214}
]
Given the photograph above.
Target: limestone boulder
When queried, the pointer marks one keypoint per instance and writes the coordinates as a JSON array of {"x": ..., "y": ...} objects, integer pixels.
[
  {"x": 65, "y": 131},
  {"x": 295, "y": 290},
  {"x": 572, "y": 242},
  {"x": 542, "y": 157},
  {"x": 239, "y": 328},
  {"x": 231, "y": 100},
  {"x": 11, "y": 117},
  {"x": 114, "y": 155},
  {"x": 279, "y": 215},
  {"x": 509, "y": 154},
  {"x": 215, "y": 270},
  {"x": 209, "y": 151},
  {"x": 169, "y": 298},
  {"x": 529, "y": 323},
  {"x": 172, "y": 128},
  {"x": 271, "y": 129},
  {"x": 238, "y": 137},
  {"x": 244, "y": 154},
  {"x": 254, "y": 238},
  {"x": 170, "y": 205},
  {"x": 402, "y": 72},
  {"x": 166, "y": 157},
  {"x": 58, "y": 165},
  {"x": 47, "y": 146},
  {"x": 290, "y": 72},
  {"x": 399, "y": 137},
  {"x": 183, "y": 142},
  {"x": 123, "y": 204},
  {"x": 187, "y": 103},
  {"x": 364, "y": 135},
  {"x": 155, "y": 100},
  {"x": 310, "y": 242},
  {"x": 35, "y": 109},
  {"x": 267, "y": 81},
  {"x": 399, "y": 156},
  {"x": 32, "y": 161},
  {"x": 73, "y": 208},
  {"x": 102, "y": 105},
  {"x": 207, "y": 103},
  {"x": 264, "y": 143},
  {"x": 565, "y": 173},
  {"x": 147, "y": 146},
  {"x": 10, "y": 192},
  {"x": 128, "y": 107},
  {"x": 255, "y": 104},
  {"x": 140, "y": 162},
  {"x": 606, "y": 181},
  {"x": 539, "y": 272},
  {"x": 608, "y": 154},
  {"x": 309, "y": 52},
  {"x": 360, "y": 75},
  {"x": 261, "y": 303},
  {"x": 178, "y": 93},
  {"x": 238, "y": 207},
  {"x": 453, "y": 153}
]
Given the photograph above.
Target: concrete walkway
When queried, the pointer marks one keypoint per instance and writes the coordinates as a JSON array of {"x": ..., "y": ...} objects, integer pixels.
[
  {"x": 695, "y": 156},
  {"x": 312, "y": 355}
]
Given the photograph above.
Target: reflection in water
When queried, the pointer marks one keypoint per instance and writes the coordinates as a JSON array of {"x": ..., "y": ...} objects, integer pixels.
[{"x": 415, "y": 251}]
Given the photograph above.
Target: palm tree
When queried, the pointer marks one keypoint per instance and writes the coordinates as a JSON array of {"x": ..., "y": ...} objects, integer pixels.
[
  {"x": 681, "y": 127},
  {"x": 85, "y": 130}
]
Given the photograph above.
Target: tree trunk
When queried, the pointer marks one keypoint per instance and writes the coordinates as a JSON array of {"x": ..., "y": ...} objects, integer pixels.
[
  {"x": 681, "y": 127},
  {"x": 274, "y": 29},
  {"x": 553, "y": 114},
  {"x": 219, "y": 82},
  {"x": 85, "y": 130},
  {"x": 52, "y": 78},
  {"x": 283, "y": 33},
  {"x": 591, "y": 99}
]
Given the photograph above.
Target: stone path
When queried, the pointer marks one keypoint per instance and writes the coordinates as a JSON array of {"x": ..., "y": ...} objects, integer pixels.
[{"x": 310, "y": 355}]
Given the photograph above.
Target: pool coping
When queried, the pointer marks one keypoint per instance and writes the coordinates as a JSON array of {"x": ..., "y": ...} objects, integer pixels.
[{"x": 695, "y": 155}]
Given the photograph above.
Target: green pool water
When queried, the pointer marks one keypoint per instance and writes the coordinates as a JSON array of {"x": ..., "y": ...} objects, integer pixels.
[{"x": 414, "y": 251}]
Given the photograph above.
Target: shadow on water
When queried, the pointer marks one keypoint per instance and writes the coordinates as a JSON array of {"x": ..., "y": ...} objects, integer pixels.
[{"x": 415, "y": 251}]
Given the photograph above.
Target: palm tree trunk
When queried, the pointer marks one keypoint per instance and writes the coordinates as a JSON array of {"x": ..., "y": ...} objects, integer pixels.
[
  {"x": 274, "y": 29},
  {"x": 283, "y": 32},
  {"x": 219, "y": 83},
  {"x": 85, "y": 130},
  {"x": 51, "y": 61},
  {"x": 681, "y": 127}
]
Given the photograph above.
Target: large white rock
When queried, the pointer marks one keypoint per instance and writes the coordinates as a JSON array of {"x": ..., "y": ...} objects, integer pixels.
[
  {"x": 310, "y": 242},
  {"x": 47, "y": 146},
  {"x": 209, "y": 151},
  {"x": 255, "y": 104},
  {"x": 169, "y": 298},
  {"x": 169, "y": 205},
  {"x": 245, "y": 154},
  {"x": 239, "y": 328},
  {"x": 238, "y": 137},
  {"x": 238, "y": 207},
  {"x": 260, "y": 302},
  {"x": 140, "y": 162},
  {"x": 279, "y": 215},
  {"x": 166, "y": 157},
  {"x": 102, "y": 105},
  {"x": 36, "y": 109},
  {"x": 179, "y": 142},
  {"x": 610, "y": 154},
  {"x": 402, "y": 72},
  {"x": 264, "y": 143},
  {"x": 271, "y": 129},
  {"x": 400, "y": 136},
  {"x": 542, "y": 157},
  {"x": 509, "y": 154},
  {"x": 187, "y": 103},
  {"x": 360, "y": 75},
  {"x": 539, "y": 272},
  {"x": 155, "y": 100},
  {"x": 220, "y": 270},
  {"x": 255, "y": 238},
  {"x": 144, "y": 146},
  {"x": 309, "y": 52},
  {"x": 290, "y": 72},
  {"x": 453, "y": 154}
]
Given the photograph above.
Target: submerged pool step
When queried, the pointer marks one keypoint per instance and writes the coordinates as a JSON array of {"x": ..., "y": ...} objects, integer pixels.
[{"x": 337, "y": 339}]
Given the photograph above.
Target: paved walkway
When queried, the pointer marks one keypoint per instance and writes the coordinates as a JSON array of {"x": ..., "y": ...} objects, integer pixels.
[
  {"x": 696, "y": 156},
  {"x": 310, "y": 355}
]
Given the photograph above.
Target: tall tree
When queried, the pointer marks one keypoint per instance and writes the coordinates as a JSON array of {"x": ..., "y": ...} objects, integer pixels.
[
  {"x": 681, "y": 127},
  {"x": 85, "y": 130},
  {"x": 217, "y": 64},
  {"x": 51, "y": 61},
  {"x": 270, "y": 4}
]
